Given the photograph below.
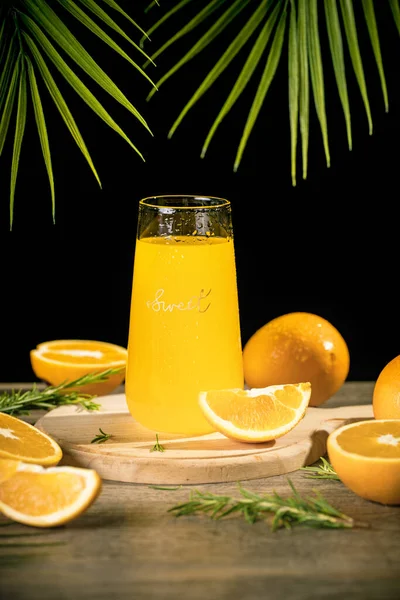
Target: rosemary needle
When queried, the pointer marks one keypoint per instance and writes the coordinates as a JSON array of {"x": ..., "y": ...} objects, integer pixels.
[
  {"x": 101, "y": 437},
  {"x": 20, "y": 403},
  {"x": 157, "y": 446},
  {"x": 295, "y": 510},
  {"x": 323, "y": 471},
  {"x": 166, "y": 488}
]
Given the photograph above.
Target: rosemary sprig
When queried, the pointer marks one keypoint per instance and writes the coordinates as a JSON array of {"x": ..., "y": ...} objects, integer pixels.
[
  {"x": 166, "y": 488},
  {"x": 18, "y": 402},
  {"x": 157, "y": 446},
  {"x": 101, "y": 437},
  {"x": 294, "y": 510},
  {"x": 323, "y": 471}
]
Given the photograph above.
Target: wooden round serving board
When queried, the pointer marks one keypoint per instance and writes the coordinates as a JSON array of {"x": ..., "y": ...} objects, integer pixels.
[{"x": 210, "y": 458}]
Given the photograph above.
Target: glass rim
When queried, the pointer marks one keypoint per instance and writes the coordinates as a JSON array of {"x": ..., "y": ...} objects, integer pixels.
[{"x": 214, "y": 202}]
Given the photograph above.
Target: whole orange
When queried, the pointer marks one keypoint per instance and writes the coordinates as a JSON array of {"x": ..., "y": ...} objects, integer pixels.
[
  {"x": 386, "y": 395},
  {"x": 296, "y": 347}
]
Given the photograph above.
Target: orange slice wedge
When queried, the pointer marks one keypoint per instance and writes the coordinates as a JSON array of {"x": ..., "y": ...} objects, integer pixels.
[
  {"x": 48, "y": 497},
  {"x": 366, "y": 457},
  {"x": 7, "y": 468},
  {"x": 66, "y": 360},
  {"x": 21, "y": 441},
  {"x": 258, "y": 414}
]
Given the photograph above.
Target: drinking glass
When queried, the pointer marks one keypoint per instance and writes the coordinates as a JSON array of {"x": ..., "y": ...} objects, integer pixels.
[{"x": 184, "y": 330}]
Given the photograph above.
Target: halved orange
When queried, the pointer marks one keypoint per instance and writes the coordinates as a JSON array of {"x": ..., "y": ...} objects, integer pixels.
[
  {"x": 366, "y": 457},
  {"x": 48, "y": 497},
  {"x": 66, "y": 360},
  {"x": 21, "y": 441},
  {"x": 258, "y": 414}
]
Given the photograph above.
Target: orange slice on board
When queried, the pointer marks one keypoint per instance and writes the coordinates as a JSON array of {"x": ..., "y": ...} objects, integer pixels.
[
  {"x": 58, "y": 361},
  {"x": 47, "y": 497},
  {"x": 21, "y": 441},
  {"x": 256, "y": 415},
  {"x": 366, "y": 457}
]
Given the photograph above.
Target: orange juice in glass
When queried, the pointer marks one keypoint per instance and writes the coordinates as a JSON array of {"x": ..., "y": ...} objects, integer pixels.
[{"x": 184, "y": 332}]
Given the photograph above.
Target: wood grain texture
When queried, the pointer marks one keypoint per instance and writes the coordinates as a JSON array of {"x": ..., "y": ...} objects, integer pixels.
[
  {"x": 128, "y": 547},
  {"x": 211, "y": 458}
]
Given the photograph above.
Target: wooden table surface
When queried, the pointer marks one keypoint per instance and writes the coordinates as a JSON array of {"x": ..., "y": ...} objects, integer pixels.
[{"x": 127, "y": 546}]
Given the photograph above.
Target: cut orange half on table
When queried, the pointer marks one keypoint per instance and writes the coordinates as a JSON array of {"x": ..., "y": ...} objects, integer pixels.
[
  {"x": 58, "y": 361},
  {"x": 366, "y": 457},
  {"x": 48, "y": 497},
  {"x": 21, "y": 441},
  {"x": 258, "y": 414}
]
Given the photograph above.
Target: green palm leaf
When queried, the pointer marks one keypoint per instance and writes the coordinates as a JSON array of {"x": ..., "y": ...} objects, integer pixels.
[
  {"x": 48, "y": 20},
  {"x": 306, "y": 59},
  {"x": 19, "y": 134},
  {"x": 233, "y": 49},
  {"x": 164, "y": 18},
  {"x": 304, "y": 83},
  {"x": 369, "y": 13},
  {"x": 8, "y": 67},
  {"x": 233, "y": 11},
  {"x": 293, "y": 71},
  {"x": 354, "y": 48},
  {"x": 152, "y": 5},
  {"x": 245, "y": 75},
  {"x": 266, "y": 79},
  {"x": 316, "y": 70},
  {"x": 394, "y": 5},
  {"x": 9, "y": 105},
  {"x": 42, "y": 129},
  {"x": 112, "y": 4},
  {"x": 79, "y": 87},
  {"x": 197, "y": 20},
  {"x": 336, "y": 47},
  {"x": 59, "y": 102},
  {"x": 79, "y": 14},
  {"x": 26, "y": 27}
]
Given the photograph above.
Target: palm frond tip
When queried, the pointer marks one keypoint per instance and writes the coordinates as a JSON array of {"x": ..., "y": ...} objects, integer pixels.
[
  {"x": 28, "y": 59},
  {"x": 302, "y": 31}
]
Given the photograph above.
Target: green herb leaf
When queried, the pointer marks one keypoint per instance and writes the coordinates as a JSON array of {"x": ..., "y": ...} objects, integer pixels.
[
  {"x": 323, "y": 471},
  {"x": 166, "y": 488},
  {"x": 18, "y": 402},
  {"x": 157, "y": 446},
  {"x": 310, "y": 511},
  {"x": 101, "y": 437}
]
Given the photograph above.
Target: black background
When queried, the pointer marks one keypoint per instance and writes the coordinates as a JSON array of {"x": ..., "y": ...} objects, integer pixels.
[{"x": 328, "y": 246}]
